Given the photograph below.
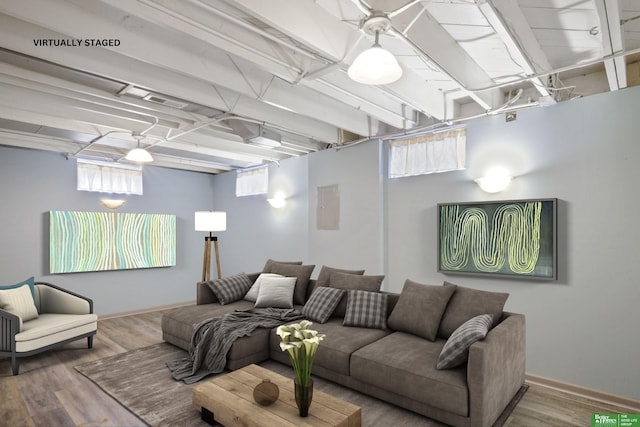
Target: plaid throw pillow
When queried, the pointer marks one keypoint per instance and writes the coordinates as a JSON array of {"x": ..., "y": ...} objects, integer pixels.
[
  {"x": 230, "y": 289},
  {"x": 366, "y": 310},
  {"x": 456, "y": 350},
  {"x": 321, "y": 304}
]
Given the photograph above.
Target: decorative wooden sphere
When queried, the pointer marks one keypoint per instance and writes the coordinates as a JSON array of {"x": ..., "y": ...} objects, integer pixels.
[{"x": 266, "y": 393}]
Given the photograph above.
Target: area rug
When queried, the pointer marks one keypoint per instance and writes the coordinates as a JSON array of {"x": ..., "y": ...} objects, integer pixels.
[{"x": 140, "y": 381}]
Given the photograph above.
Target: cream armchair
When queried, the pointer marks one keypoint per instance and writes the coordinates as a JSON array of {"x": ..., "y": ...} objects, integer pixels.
[{"x": 63, "y": 317}]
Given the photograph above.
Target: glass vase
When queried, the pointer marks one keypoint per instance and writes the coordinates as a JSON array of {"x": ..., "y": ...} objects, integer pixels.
[{"x": 304, "y": 395}]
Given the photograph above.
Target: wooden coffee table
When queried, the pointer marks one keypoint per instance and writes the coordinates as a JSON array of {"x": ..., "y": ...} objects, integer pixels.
[{"x": 228, "y": 400}]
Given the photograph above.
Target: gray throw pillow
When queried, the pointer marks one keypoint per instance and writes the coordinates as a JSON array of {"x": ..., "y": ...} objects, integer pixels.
[
  {"x": 366, "y": 310},
  {"x": 467, "y": 303},
  {"x": 419, "y": 309},
  {"x": 321, "y": 304},
  {"x": 325, "y": 274},
  {"x": 301, "y": 272},
  {"x": 231, "y": 288},
  {"x": 353, "y": 282},
  {"x": 276, "y": 292},
  {"x": 456, "y": 350}
]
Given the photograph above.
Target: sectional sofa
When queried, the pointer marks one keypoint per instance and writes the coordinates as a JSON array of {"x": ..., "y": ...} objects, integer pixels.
[{"x": 447, "y": 352}]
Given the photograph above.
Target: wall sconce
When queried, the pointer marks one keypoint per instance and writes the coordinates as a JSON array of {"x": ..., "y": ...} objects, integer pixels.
[
  {"x": 493, "y": 183},
  {"x": 278, "y": 201},
  {"x": 112, "y": 203}
]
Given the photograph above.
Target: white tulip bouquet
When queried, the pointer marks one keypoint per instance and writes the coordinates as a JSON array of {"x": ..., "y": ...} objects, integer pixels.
[{"x": 302, "y": 344}]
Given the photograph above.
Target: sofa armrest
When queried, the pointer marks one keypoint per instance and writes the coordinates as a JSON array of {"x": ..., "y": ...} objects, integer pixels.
[
  {"x": 10, "y": 325},
  {"x": 54, "y": 299},
  {"x": 496, "y": 369},
  {"x": 204, "y": 294}
]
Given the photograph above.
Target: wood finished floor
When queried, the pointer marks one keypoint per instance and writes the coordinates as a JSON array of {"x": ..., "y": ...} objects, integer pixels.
[{"x": 49, "y": 392}]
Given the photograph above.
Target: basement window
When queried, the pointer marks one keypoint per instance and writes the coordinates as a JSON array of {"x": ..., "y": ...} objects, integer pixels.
[
  {"x": 435, "y": 152},
  {"x": 250, "y": 182},
  {"x": 105, "y": 177}
]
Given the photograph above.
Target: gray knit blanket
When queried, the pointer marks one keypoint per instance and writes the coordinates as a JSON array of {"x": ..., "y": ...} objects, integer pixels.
[{"x": 212, "y": 339}]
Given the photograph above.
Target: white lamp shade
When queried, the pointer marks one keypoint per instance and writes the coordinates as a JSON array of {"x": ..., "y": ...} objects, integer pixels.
[
  {"x": 211, "y": 221},
  {"x": 375, "y": 66},
  {"x": 139, "y": 155}
]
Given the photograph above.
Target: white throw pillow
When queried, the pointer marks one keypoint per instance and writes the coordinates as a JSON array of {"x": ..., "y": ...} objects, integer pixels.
[
  {"x": 252, "y": 294},
  {"x": 19, "y": 301},
  {"x": 276, "y": 292}
]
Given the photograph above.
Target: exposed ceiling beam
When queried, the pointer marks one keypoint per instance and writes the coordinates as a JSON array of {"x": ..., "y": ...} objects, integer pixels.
[
  {"x": 321, "y": 32},
  {"x": 612, "y": 42},
  {"x": 508, "y": 21},
  {"x": 179, "y": 84},
  {"x": 431, "y": 40}
]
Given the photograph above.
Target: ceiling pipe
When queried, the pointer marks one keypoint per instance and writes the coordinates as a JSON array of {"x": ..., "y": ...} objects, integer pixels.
[{"x": 508, "y": 106}]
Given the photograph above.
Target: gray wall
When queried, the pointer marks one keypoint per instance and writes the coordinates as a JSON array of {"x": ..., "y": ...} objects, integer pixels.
[
  {"x": 359, "y": 240},
  {"x": 34, "y": 182},
  {"x": 255, "y": 230}
]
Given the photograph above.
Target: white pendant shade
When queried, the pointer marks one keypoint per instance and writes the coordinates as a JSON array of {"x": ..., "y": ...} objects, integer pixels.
[
  {"x": 139, "y": 155},
  {"x": 375, "y": 66}
]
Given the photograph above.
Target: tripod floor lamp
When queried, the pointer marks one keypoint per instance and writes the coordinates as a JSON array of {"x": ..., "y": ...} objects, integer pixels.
[{"x": 210, "y": 221}]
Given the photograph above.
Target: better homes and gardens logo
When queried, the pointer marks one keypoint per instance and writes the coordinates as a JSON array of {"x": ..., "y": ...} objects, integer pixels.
[{"x": 615, "y": 420}]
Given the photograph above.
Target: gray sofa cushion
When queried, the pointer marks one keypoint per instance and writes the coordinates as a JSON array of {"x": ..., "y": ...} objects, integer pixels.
[
  {"x": 324, "y": 277},
  {"x": 231, "y": 288},
  {"x": 301, "y": 272},
  {"x": 456, "y": 350},
  {"x": 353, "y": 282},
  {"x": 419, "y": 309},
  {"x": 321, "y": 303},
  {"x": 179, "y": 322},
  {"x": 334, "y": 352},
  {"x": 406, "y": 364},
  {"x": 467, "y": 303},
  {"x": 366, "y": 310},
  {"x": 270, "y": 263}
]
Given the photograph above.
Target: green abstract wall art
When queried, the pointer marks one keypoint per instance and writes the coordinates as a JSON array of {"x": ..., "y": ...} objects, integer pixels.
[
  {"x": 506, "y": 238},
  {"x": 98, "y": 241}
]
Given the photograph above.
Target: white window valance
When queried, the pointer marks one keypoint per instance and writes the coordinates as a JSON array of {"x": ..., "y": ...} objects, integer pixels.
[
  {"x": 431, "y": 153},
  {"x": 106, "y": 177},
  {"x": 254, "y": 181}
]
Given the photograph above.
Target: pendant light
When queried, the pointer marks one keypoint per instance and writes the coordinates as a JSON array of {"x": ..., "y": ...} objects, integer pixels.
[
  {"x": 139, "y": 155},
  {"x": 375, "y": 66}
]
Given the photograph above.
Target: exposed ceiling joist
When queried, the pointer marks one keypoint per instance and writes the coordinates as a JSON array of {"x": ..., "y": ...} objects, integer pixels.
[
  {"x": 510, "y": 24},
  {"x": 180, "y": 66},
  {"x": 612, "y": 42}
]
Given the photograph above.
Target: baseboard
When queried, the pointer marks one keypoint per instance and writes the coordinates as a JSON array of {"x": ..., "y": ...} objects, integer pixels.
[
  {"x": 144, "y": 310},
  {"x": 632, "y": 405}
]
